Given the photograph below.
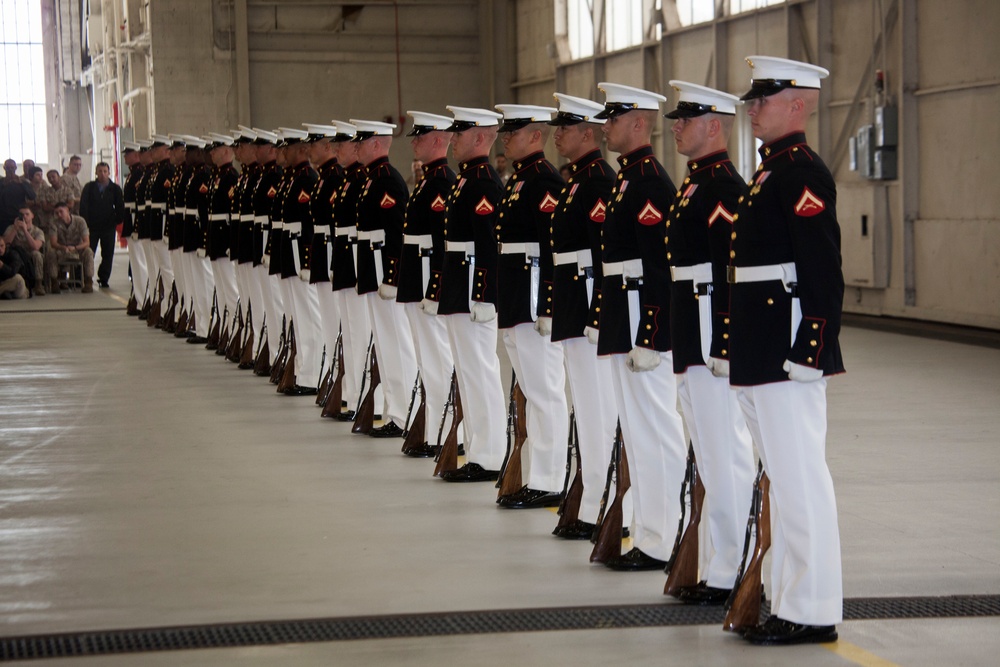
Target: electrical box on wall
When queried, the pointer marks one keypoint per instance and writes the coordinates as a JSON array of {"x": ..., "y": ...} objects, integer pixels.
[
  {"x": 863, "y": 142},
  {"x": 873, "y": 149}
]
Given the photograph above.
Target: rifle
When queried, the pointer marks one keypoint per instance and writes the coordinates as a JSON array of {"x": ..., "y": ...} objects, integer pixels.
[
  {"x": 214, "y": 323},
  {"x": 447, "y": 458},
  {"x": 569, "y": 509},
  {"x": 234, "y": 349},
  {"x": 364, "y": 418},
  {"x": 132, "y": 307},
  {"x": 182, "y": 321},
  {"x": 279, "y": 362},
  {"x": 169, "y": 324},
  {"x": 335, "y": 395},
  {"x": 246, "y": 356},
  {"x": 146, "y": 303},
  {"x": 743, "y": 605},
  {"x": 609, "y": 535},
  {"x": 608, "y": 482},
  {"x": 192, "y": 326},
  {"x": 510, "y": 472},
  {"x": 154, "y": 317},
  {"x": 262, "y": 363},
  {"x": 326, "y": 381},
  {"x": 288, "y": 373},
  {"x": 413, "y": 434},
  {"x": 224, "y": 337},
  {"x": 682, "y": 568}
]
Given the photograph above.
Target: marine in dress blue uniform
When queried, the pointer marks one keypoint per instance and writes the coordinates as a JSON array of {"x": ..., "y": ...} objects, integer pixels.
[
  {"x": 265, "y": 192},
  {"x": 787, "y": 291},
  {"x": 197, "y": 270},
  {"x": 217, "y": 242},
  {"x": 635, "y": 326},
  {"x": 137, "y": 260}
]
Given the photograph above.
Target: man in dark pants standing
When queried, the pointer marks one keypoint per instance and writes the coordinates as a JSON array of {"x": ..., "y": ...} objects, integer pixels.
[{"x": 102, "y": 205}]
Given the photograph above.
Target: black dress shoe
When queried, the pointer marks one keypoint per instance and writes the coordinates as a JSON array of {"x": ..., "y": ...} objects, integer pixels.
[
  {"x": 186, "y": 333},
  {"x": 635, "y": 561},
  {"x": 470, "y": 472},
  {"x": 704, "y": 595},
  {"x": 346, "y": 416},
  {"x": 421, "y": 451},
  {"x": 103, "y": 284},
  {"x": 196, "y": 340},
  {"x": 437, "y": 449},
  {"x": 246, "y": 365},
  {"x": 578, "y": 530},
  {"x": 776, "y": 632},
  {"x": 387, "y": 430},
  {"x": 527, "y": 499},
  {"x": 299, "y": 390}
]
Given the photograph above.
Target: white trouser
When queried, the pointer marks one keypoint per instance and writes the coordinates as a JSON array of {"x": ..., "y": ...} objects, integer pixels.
[
  {"x": 657, "y": 456},
  {"x": 329, "y": 325},
  {"x": 177, "y": 261},
  {"x": 596, "y": 417},
  {"x": 190, "y": 286},
  {"x": 256, "y": 297},
  {"x": 225, "y": 287},
  {"x": 357, "y": 333},
  {"x": 308, "y": 339},
  {"x": 140, "y": 275},
  {"x": 152, "y": 264},
  {"x": 204, "y": 282},
  {"x": 269, "y": 310},
  {"x": 538, "y": 363},
  {"x": 166, "y": 271},
  {"x": 474, "y": 351},
  {"x": 397, "y": 362},
  {"x": 788, "y": 423},
  {"x": 241, "y": 271},
  {"x": 281, "y": 310},
  {"x": 724, "y": 453},
  {"x": 430, "y": 342}
]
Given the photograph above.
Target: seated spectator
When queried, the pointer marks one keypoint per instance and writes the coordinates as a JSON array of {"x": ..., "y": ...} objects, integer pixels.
[
  {"x": 14, "y": 193},
  {"x": 23, "y": 234},
  {"x": 69, "y": 239},
  {"x": 12, "y": 285}
]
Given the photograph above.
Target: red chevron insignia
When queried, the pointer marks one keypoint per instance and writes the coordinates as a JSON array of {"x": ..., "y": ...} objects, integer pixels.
[
  {"x": 484, "y": 207},
  {"x": 387, "y": 201},
  {"x": 650, "y": 215},
  {"x": 548, "y": 203},
  {"x": 438, "y": 204},
  {"x": 720, "y": 212},
  {"x": 303, "y": 197},
  {"x": 809, "y": 204},
  {"x": 203, "y": 188},
  {"x": 598, "y": 212},
  {"x": 272, "y": 193}
]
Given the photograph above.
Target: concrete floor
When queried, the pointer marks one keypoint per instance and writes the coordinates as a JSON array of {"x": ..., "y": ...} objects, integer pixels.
[{"x": 145, "y": 482}]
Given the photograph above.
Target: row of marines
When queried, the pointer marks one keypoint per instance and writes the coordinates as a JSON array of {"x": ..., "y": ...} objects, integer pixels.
[{"x": 722, "y": 296}]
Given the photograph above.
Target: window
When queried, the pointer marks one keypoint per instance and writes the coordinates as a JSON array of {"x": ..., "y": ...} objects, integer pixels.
[
  {"x": 22, "y": 88},
  {"x": 738, "y": 6},
  {"x": 690, "y": 12},
  {"x": 623, "y": 23},
  {"x": 580, "y": 28}
]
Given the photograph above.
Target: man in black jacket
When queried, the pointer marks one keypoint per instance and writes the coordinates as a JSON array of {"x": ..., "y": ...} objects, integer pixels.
[{"x": 102, "y": 205}]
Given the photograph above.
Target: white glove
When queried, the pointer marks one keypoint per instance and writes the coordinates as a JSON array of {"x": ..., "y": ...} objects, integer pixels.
[
  {"x": 482, "y": 312},
  {"x": 304, "y": 275},
  {"x": 201, "y": 252},
  {"x": 801, "y": 373},
  {"x": 429, "y": 307},
  {"x": 387, "y": 292},
  {"x": 592, "y": 334},
  {"x": 266, "y": 260},
  {"x": 543, "y": 326},
  {"x": 642, "y": 359},
  {"x": 227, "y": 252},
  {"x": 719, "y": 367},
  {"x": 165, "y": 239},
  {"x": 135, "y": 236}
]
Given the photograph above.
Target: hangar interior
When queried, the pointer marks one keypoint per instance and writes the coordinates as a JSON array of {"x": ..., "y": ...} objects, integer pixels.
[{"x": 145, "y": 488}]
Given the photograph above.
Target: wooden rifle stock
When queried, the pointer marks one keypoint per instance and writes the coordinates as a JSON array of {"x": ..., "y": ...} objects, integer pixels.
[
  {"x": 335, "y": 396},
  {"x": 447, "y": 458},
  {"x": 682, "y": 568},
  {"x": 154, "y": 309},
  {"x": 744, "y": 604},
  {"x": 278, "y": 368},
  {"x": 510, "y": 476},
  {"x": 192, "y": 324},
  {"x": 169, "y": 323},
  {"x": 246, "y": 356},
  {"x": 235, "y": 342},
  {"x": 132, "y": 307},
  {"x": 262, "y": 366},
  {"x": 416, "y": 429},
  {"x": 224, "y": 336},
  {"x": 609, "y": 534},
  {"x": 569, "y": 509},
  {"x": 364, "y": 419},
  {"x": 182, "y": 320},
  {"x": 323, "y": 392},
  {"x": 288, "y": 374}
]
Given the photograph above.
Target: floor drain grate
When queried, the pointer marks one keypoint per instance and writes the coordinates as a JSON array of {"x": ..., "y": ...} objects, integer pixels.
[{"x": 231, "y": 635}]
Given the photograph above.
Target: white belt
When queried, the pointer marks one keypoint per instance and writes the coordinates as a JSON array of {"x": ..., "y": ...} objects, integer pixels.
[
  {"x": 260, "y": 220},
  {"x": 129, "y": 206},
  {"x": 246, "y": 217},
  {"x": 191, "y": 211},
  {"x": 160, "y": 206},
  {"x": 322, "y": 229},
  {"x": 420, "y": 240},
  {"x": 215, "y": 217},
  {"x": 276, "y": 225},
  {"x": 756, "y": 274},
  {"x": 350, "y": 232},
  {"x": 375, "y": 236},
  {"x": 698, "y": 273},
  {"x": 468, "y": 247},
  {"x": 293, "y": 227},
  {"x": 583, "y": 258},
  {"x": 529, "y": 249},
  {"x": 629, "y": 269},
  {"x": 171, "y": 211}
]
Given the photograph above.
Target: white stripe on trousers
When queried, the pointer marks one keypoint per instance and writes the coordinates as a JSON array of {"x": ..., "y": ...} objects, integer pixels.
[
  {"x": 657, "y": 456},
  {"x": 243, "y": 286},
  {"x": 152, "y": 264},
  {"x": 181, "y": 278},
  {"x": 397, "y": 362},
  {"x": 724, "y": 452},
  {"x": 329, "y": 326},
  {"x": 252, "y": 282},
  {"x": 270, "y": 309},
  {"x": 538, "y": 363},
  {"x": 430, "y": 342},
  {"x": 788, "y": 423},
  {"x": 225, "y": 286},
  {"x": 166, "y": 270},
  {"x": 308, "y": 341},
  {"x": 474, "y": 351},
  {"x": 140, "y": 275},
  {"x": 204, "y": 281},
  {"x": 357, "y": 334},
  {"x": 596, "y": 416},
  {"x": 281, "y": 314}
]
